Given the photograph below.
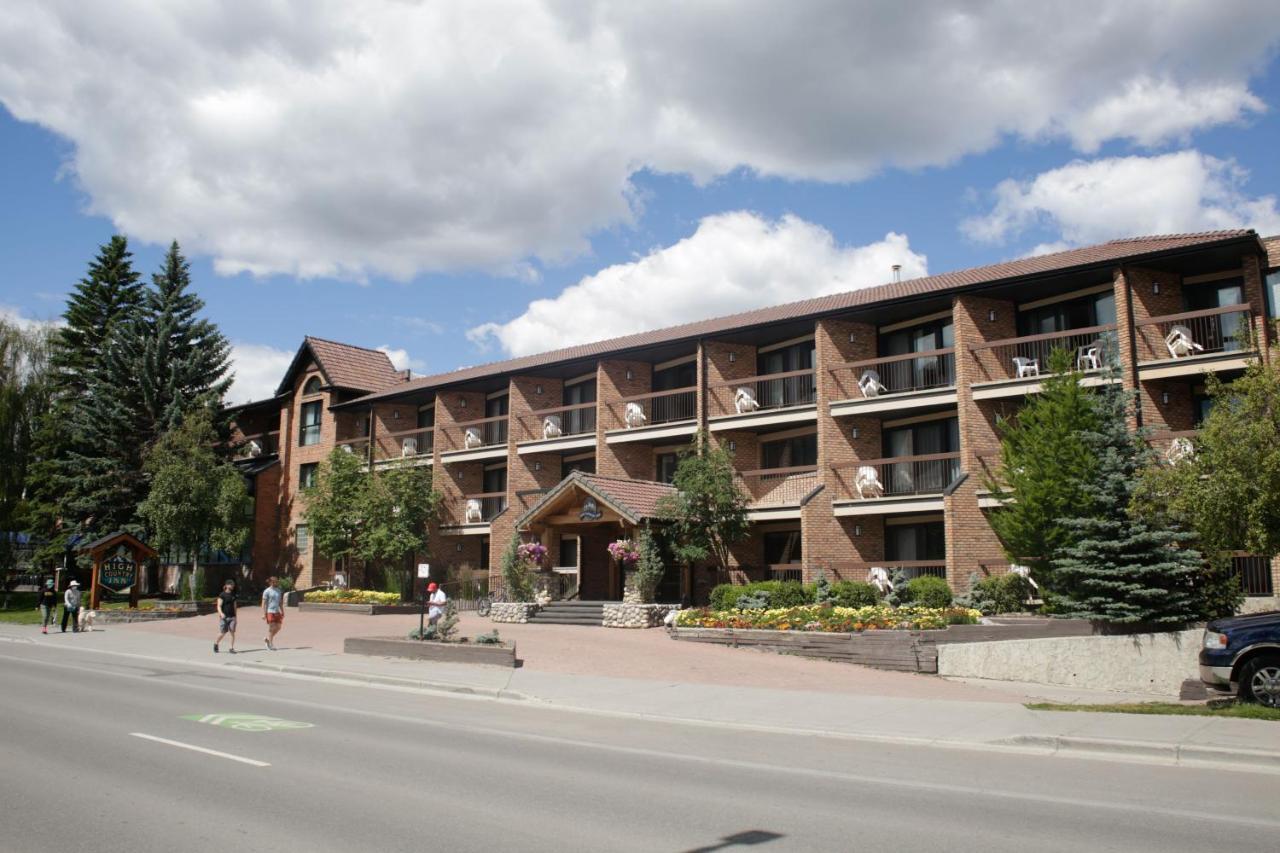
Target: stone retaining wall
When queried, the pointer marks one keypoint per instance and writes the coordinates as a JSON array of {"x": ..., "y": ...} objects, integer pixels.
[
  {"x": 627, "y": 615},
  {"x": 123, "y": 617},
  {"x": 512, "y": 611},
  {"x": 1134, "y": 663}
]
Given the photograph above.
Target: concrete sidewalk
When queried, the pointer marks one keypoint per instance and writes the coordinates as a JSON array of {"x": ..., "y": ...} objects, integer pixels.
[{"x": 969, "y": 724}]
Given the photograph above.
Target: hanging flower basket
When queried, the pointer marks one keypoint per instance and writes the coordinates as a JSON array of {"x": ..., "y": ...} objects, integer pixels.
[
  {"x": 625, "y": 552},
  {"x": 532, "y": 554}
]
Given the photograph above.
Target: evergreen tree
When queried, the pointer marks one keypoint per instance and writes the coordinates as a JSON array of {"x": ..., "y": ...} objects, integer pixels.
[
  {"x": 1121, "y": 568},
  {"x": 86, "y": 484},
  {"x": 24, "y": 397},
  {"x": 180, "y": 360},
  {"x": 1045, "y": 469}
]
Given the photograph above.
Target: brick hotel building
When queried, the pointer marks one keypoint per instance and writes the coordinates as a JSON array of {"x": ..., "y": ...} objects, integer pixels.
[{"x": 862, "y": 424}]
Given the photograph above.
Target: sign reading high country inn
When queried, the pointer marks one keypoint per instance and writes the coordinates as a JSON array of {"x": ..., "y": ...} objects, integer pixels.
[{"x": 119, "y": 571}]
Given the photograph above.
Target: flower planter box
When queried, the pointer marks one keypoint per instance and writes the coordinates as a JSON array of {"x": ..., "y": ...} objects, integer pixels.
[
  {"x": 395, "y": 647},
  {"x": 909, "y": 651},
  {"x": 364, "y": 609}
]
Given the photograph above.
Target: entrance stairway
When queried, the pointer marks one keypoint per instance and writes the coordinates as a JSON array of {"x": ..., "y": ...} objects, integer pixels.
[{"x": 570, "y": 613}]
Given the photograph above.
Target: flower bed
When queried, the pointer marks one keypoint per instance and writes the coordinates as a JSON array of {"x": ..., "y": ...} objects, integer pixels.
[
  {"x": 351, "y": 596},
  {"x": 830, "y": 619}
]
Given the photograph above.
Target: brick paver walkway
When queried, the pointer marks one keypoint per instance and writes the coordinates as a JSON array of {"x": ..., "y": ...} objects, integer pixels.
[{"x": 574, "y": 650}]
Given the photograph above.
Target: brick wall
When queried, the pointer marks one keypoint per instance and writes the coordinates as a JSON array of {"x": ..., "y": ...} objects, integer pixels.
[
  {"x": 720, "y": 369},
  {"x": 266, "y": 523},
  {"x": 612, "y": 386}
]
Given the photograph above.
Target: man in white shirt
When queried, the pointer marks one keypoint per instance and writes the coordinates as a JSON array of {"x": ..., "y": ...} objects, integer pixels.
[{"x": 437, "y": 601}]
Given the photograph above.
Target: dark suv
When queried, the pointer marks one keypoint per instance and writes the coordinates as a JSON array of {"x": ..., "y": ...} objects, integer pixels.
[{"x": 1242, "y": 654}]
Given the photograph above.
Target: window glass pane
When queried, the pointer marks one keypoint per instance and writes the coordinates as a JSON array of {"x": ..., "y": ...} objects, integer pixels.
[
  {"x": 782, "y": 546},
  {"x": 586, "y": 466},
  {"x": 898, "y": 442},
  {"x": 302, "y": 535},
  {"x": 666, "y": 467},
  {"x": 1273, "y": 294},
  {"x": 568, "y": 550},
  {"x": 309, "y": 428},
  {"x": 426, "y": 417},
  {"x": 495, "y": 480},
  {"x": 484, "y": 555},
  {"x": 580, "y": 392},
  {"x": 1104, "y": 309},
  {"x": 679, "y": 376},
  {"x": 307, "y": 475}
]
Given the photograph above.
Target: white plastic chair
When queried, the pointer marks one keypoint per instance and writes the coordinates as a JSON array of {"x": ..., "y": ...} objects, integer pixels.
[
  {"x": 1180, "y": 343},
  {"x": 474, "y": 513},
  {"x": 472, "y": 438},
  {"x": 551, "y": 427},
  {"x": 869, "y": 384},
  {"x": 1089, "y": 357},
  {"x": 1179, "y": 449},
  {"x": 867, "y": 481},
  {"x": 744, "y": 401},
  {"x": 878, "y": 576},
  {"x": 1026, "y": 367},
  {"x": 634, "y": 415},
  {"x": 409, "y": 447}
]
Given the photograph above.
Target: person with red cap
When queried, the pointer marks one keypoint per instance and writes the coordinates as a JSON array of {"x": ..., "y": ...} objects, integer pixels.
[{"x": 437, "y": 600}]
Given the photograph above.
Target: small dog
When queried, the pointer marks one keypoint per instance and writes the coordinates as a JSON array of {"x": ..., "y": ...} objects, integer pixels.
[{"x": 86, "y": 619}]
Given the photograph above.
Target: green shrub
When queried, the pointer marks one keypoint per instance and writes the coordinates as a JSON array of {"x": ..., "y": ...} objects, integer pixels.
[
  {"x": 791, "y": 594},
  {"x": 490, "y": 639},
  {"x": 999, "y": 594},
  {"x": 762, "y": 594},
  {"x": 929, "y": 591},
  {"x": 854, "y": 594}
]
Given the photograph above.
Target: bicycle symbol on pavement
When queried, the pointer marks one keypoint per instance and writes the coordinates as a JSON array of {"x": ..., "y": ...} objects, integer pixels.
[{"x": 247, "y": 722}]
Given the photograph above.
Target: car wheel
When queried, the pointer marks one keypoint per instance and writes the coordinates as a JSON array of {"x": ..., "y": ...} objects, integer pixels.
[{"x": 1260, "y": 681}]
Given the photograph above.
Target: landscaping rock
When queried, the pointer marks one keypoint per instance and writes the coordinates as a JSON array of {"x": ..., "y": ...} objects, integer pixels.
[
  {"x": 512, "y": 611},
  {"x": 635, "y": 615}
]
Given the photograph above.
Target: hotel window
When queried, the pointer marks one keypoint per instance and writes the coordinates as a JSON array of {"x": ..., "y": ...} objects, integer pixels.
[
  {"x": 912, "y": 542},
  {"x": 788, "y": 390},
  {"x": 307, "y": 474},
  {"x": 922, "y": 439},
  {"x": 312, "y": 386},
  {"x": 797, "y": 356},
  {"x": 1095, "y": 309},
  {"x": 795, "y": 452},
  {"x": 677, "y": 376},
  {"x": 568, "y": 552},
  {"x": 484, "y": 556},
  {"x": 928, "y": 372},
  {"x": 665, "y": 467},
  {"x": 585, "y": 464},
  {"x": 309, "y": 428},
  {"x": 426, "y": 417},
  {"x": 1273, "y": 293},
  {"x": 302, "y": 536},
  {"x": 495, "y": 481},
  {"x": 1219, "y": 333},
  {"x": 782, "y": 546},
  {"x": 578, "y": 421}
]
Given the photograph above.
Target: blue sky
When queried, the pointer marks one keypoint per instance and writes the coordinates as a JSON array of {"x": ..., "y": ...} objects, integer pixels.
[{"x": 628, "y": 172}]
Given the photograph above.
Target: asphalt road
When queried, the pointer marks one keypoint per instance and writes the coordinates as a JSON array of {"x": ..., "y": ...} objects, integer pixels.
[{"x": 96, "y": 754}]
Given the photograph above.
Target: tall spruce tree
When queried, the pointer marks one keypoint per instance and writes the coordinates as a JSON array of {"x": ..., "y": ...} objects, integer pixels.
[
  {"x": 181, "y": 361},
  {"x": 1121, "y": 568},
  {"x": 77, "y": 492}
]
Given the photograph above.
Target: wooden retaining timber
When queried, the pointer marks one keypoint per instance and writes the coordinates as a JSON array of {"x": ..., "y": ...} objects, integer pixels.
[{"x": 907, "y": 651}]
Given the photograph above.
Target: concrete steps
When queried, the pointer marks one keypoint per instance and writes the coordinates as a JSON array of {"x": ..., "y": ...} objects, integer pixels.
[{"x": 570, "y": 613}]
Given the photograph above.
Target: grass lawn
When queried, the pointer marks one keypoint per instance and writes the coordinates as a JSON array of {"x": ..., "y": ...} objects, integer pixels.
[
  {"x": 1221, "y": 708},
  {"x": 23, "y": 610}
]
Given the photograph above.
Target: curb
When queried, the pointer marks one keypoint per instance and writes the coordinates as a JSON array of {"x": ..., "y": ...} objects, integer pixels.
[
  {"x": 1171, "y": 753},
  {"x": 349, "y": 677}
]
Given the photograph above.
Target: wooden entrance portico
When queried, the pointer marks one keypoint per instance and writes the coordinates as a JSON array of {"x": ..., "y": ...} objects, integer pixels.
[{"x": 597, "y": 510}]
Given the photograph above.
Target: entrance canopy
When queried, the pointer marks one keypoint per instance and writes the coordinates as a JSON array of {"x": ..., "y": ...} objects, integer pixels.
[{"x": 591, "y": 499}]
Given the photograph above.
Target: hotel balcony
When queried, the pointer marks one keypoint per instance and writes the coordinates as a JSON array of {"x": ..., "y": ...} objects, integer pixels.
[
  {"x": 471, "y": 514},
  {"x": 1193, "y": 342},
  {"x": 258, "y": 444},
  {"x": 778, "y": 493},
  {"x": 412, "y": 446},
  {"x": 763, "y": 401},
  {"x": 1012, "y": 367},
  {"x": 860, "y": 570},
  {"x": 655, "y": 417},
  {"x": 558, "y": 429},
  {"x": 897, "y": 484},
  {"x": 467, "y": 441},
  {"x": 895, "y": 383}
]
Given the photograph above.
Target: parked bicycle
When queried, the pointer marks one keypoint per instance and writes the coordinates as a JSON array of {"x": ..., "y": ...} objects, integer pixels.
[{"x": 485, "y": 603}]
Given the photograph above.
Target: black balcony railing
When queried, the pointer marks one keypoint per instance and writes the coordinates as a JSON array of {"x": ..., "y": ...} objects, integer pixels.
[
  {"x": 896, "y": 374},
  {"x": 897, "y": 476}
]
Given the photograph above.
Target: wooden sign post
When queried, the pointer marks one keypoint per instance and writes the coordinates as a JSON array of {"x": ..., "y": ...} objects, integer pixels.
[{"x": 117, "y": 565}]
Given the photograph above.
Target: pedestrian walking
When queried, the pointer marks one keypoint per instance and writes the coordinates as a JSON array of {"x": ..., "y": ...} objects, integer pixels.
[
  {"x": 48, "y": 606},
  {"x": 226, "y": 616},
  {"x": 272, "y": 612},
  {"x": 71, "y": 608},
  {"x": 437, "y": 599}
]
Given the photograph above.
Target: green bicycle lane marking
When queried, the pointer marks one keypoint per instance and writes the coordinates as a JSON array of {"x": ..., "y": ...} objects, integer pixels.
[{"x": 247, "y": 722}]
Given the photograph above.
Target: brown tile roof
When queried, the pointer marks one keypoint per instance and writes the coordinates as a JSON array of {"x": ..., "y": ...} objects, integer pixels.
[
  {"x": 347, "y": 366},
  {"x": 636, "y": 500},
  {"x": 1115, "y": 250}
]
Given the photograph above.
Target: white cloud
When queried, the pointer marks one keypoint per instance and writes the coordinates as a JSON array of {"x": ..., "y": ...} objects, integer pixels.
[
  {"x": 347, "y": 138},
  {"x": 258, "y": 369},
  {"x": 733, "y": 262},
  {"x": 14, "y": 316},
  {"x": 401, "y": 360},
  {"x": 1089, "y": 201}
]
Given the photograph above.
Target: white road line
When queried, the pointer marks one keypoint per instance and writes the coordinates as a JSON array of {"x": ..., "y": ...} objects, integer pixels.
[{"x": 195, "y": 748}]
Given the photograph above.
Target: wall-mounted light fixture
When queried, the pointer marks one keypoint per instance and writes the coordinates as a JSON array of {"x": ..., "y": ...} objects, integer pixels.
[
  {"x": 459, "y": 547},
  {"x": 395, "y": 414},
  {"x": 462, "y": 402},
  {"x": 537, "y": 466},
  {"x": 1155, "y": 288},
  {"x": 851, "y": 338},
  {"x": 733, "y": 445},
  {"x": 733, "y": 356},
  {"x": 630, "y": 375},
  {"x": 856, "y": 432},
  {"x": 857, "y": 530},
  {"x": 991, "y": 315},
  {"x": 537, "y": 389},
  {"x": 1164, "y": 397}
]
